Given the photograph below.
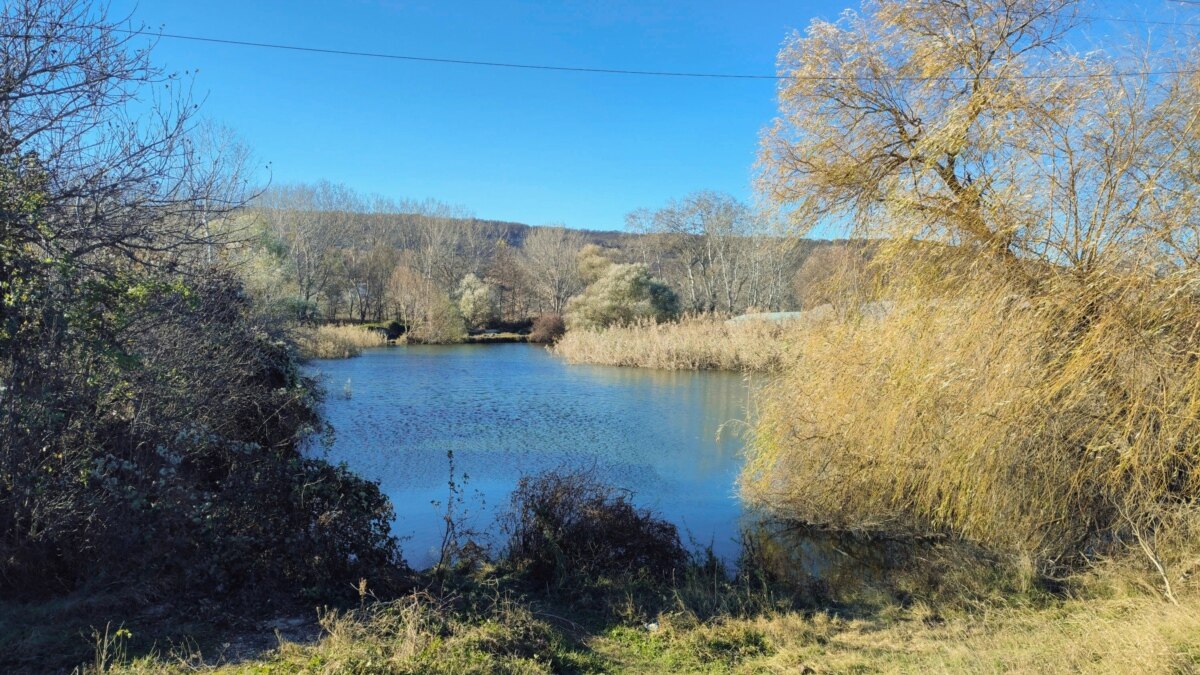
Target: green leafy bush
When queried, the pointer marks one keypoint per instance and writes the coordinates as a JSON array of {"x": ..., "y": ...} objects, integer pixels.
[
  {"x": 623, "y": 294},
  {"x": 477, "y": 301}
]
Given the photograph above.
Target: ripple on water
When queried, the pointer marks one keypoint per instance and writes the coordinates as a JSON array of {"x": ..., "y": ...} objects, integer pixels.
[{"x": 508, "y": 410}]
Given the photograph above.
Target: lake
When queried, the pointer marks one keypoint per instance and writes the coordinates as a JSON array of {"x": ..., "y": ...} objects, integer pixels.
[{"x": 508, "y": 410}]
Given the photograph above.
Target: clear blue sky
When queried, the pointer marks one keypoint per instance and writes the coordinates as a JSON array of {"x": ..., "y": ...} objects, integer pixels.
[{"x": 530, "y": 146}]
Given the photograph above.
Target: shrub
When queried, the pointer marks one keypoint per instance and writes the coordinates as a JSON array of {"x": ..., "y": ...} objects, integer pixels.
[
  {"x": 442, "y": 324},
  {"x": 547, "y": 328},
  {"x": 519, "y": 326},
  {"x": 569, "y": 525},
  {"x": 167, "y": 452},
  {"x": 624, "y": 294},
  {"x": 391, "y": 330},
  {"x": 477, "y": 301}
]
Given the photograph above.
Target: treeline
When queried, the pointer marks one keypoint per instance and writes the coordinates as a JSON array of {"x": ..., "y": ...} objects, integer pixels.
[{"x": 323, "y": 252}]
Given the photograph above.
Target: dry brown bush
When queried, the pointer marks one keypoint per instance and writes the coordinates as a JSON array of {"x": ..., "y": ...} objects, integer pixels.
[
  {"x": 547, "y": 328},
  {"x": 570, "y": 526}
]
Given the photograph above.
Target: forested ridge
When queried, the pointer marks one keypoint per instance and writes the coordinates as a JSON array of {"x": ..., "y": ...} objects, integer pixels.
[{"x": 330, "y": 253}]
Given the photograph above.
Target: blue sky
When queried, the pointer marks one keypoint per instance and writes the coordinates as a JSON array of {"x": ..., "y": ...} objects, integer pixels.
[{"x": 530, "y": 146}]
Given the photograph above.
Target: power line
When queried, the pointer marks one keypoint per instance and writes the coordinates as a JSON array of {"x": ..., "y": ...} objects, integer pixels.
[
  {"x": 463, "y": 62},
  {"x": 1151, "y": 22},
  {"x": 650, "y": 73},
  {"x": 620, "y": 71}
]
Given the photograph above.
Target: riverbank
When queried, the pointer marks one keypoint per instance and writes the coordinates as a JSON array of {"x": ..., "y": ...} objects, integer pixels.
[
  {"x": 495, "y": 339},
  {"x": 693, "y": 343},
  {"x": 470, "y": 629},
  {"x": 589, "y": 583},
  {"x": 343, "y": 342}
]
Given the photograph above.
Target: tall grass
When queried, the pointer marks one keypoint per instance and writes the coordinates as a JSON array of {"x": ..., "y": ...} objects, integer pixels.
[
  {"x": 336, "y": 342},
  {"x": 418, "y": 633},
  {"x": 693, "y": 343},
  {"x": 426, "y": 634}
]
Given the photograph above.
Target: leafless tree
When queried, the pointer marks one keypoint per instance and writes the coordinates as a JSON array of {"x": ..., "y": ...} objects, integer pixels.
[
  {"x": 513, "y": 284},
  {"x": 134, "y": 186},
  {"x": 708, "y": 237},
  {"x": 312, "y": 222},
  {"x": 548, "y": 257}
]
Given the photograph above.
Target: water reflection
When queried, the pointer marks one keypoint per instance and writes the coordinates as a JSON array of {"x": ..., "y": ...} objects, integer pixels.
[{"x": 505, "y": 410}]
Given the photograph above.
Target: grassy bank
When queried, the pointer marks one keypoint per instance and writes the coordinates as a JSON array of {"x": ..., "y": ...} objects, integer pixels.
[
  {"x": 343, "y": 342},
  {"x": 694, "y": 343},
  {"x": 469, "y": 631}
]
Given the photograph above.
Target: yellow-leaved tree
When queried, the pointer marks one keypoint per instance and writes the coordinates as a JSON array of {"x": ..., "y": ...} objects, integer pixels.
[{"x": 1033, "y": 385}]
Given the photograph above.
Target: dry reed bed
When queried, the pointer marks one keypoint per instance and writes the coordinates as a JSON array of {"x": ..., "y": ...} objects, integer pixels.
[
  {"x": 1050, "y": 425},
  {"x": 336, "y": 342},
  {"x": 694, "y": 343}
]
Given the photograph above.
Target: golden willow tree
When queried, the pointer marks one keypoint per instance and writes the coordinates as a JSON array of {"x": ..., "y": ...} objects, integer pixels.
[{"x": 1034, "y": 386}]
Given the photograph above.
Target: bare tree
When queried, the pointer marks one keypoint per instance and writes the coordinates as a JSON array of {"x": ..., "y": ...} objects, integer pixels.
[
  {"x": 116, "y": 182},
  {"x": 447, "y": 247},
  {"x": 773, "y": 261},
  {"x": 513, "y": 284},
  {"x": 222, "y": 169},
  {"x": 548, "y": 256},
  {"x": 708, "y": 239},
  {"x": 368, "y": 273},
  {"x": 313, "y": 222}
]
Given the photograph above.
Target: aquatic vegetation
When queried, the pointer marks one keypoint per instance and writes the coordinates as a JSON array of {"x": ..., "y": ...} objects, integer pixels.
[
  {"x": 336, "y": 342},
  {"x": 692, "y": 343}
]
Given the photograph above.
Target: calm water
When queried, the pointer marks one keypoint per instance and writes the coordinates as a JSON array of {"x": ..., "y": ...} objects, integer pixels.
[{"x": 508, "y": 410}]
